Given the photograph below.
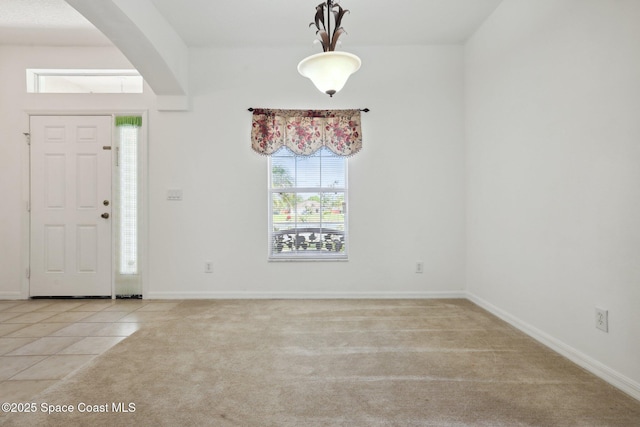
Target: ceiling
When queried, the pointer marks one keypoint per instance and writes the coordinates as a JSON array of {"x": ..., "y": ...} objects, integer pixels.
[
  {"x": 256, "y": 23},
  {"x": 46, "y": 22}
]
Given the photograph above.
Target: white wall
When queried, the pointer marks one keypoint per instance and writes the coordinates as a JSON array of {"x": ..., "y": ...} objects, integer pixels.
[
  {"x": 553, "y": 155},
  {"x": 406, "y": 186},
  {"x": 412, "y": 160}
]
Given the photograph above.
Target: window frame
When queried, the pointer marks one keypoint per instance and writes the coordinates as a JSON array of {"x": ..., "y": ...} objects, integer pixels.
[
  {"x": 35, "y": 74},
  {"x": 311, "y": 255},
  {"x": 130, "y": 284}
]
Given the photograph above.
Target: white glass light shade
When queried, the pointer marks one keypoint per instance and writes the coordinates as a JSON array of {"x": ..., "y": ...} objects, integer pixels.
[{"x": 329, "y": 71}]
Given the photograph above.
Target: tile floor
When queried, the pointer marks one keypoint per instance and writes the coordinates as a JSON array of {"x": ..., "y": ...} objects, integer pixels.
[{"x": 42, "y": 341}]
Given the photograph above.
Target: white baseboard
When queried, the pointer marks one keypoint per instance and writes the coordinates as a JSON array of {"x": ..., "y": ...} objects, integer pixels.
[
  {"x": 11, "y": 295},
  {"x": 614, "y": 378},
  {"x": 306, "y": 295}
]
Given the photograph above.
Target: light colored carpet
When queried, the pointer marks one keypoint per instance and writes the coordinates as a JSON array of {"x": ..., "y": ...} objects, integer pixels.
[{"x": 334, "y": 363}]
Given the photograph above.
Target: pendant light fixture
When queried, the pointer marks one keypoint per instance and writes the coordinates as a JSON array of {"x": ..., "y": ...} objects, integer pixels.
[{"x": 329, "y": 70}]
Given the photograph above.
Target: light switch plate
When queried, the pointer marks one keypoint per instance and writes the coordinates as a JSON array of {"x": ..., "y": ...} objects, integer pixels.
[{"x": 174, "y": 194}]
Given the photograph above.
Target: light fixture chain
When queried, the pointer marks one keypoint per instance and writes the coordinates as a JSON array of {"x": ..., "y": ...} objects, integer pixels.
[{"x": 329, "y": 8}]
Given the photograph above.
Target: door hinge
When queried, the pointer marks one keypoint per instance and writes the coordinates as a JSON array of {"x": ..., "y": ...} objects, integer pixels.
[
  {"x": 28, "y": 273},
  {"x": 27, "y": 136},
  {"x": 28, "y": 206}
]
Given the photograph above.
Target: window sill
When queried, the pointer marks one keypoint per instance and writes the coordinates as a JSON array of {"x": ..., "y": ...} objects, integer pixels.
[{"x": 303, "y": 259}]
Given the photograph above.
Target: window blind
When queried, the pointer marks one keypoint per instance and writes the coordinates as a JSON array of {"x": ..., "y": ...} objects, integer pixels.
[{"x": 308, "y": 205}]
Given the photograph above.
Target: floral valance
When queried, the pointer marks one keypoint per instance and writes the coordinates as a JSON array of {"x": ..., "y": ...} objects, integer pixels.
[{"x": 306, "y": 131}]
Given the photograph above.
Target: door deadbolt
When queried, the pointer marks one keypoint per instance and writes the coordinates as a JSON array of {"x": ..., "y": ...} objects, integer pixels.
[
  {"x": 105, "y": 215},
  {"x": 106, "y": 203}
]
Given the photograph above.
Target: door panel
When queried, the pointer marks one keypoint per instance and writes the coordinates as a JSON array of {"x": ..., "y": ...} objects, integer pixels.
[
  {"x": 54, "y": 248},
  {"x": 87, "y": 248},
  {"x": 70, "y": 177},
  {"x": 87, "y": 181}
]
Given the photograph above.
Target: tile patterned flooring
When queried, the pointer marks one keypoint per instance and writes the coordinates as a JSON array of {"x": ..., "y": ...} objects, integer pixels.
[{"x": 43, "y": 341}]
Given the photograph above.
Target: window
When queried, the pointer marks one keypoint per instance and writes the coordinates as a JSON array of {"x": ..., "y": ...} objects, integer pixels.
[
  {"x": 83, "y": 81},
  {"x": 128, "y": 199},
  {"x": 128, "y": 280},
  {"x": 307, "y": 206}
]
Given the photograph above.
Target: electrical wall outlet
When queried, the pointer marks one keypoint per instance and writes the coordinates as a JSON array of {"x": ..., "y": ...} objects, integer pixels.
[
  {"x": 174, "y": 194},
  {"x": 419, "y": 267},
  {"x": 602, "y": 319},
  {"x": 208, "y": 267}
]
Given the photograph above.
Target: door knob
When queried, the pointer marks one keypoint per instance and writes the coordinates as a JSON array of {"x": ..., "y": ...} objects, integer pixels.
[{"x": 105, "y": 215}]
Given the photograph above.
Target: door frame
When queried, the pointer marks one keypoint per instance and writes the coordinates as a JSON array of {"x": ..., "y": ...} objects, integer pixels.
[{"x": 142, "y": 189}]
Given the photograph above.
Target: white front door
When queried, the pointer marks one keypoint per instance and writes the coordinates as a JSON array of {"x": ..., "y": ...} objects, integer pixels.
[{"x": 70, "y": 206}]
